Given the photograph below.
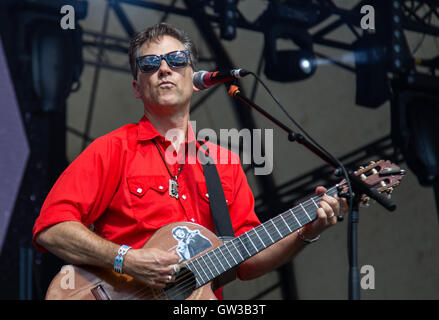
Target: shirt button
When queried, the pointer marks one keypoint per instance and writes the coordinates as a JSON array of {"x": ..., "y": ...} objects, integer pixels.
[
  {"x": 139, "y": 190},
  {"x": 207, "y": 195},
  {"x": 184, "y": 197},
  {"x": 161, "y": 187},
  {"x": 193, "y": 220}
]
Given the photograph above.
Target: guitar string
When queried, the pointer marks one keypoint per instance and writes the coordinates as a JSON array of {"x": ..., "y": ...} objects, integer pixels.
[
  {"x": 279, "y": 228},
  {"x": 183, "y": 285}
]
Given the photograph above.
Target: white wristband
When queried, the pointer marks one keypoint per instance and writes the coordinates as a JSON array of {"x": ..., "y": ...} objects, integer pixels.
[{"x": 118, "y": 260}]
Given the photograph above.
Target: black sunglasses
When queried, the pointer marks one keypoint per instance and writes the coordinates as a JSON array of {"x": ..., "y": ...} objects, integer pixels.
[{"x": 151, "y": 62}]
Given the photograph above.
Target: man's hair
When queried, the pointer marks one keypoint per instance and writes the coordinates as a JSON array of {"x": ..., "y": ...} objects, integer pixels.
[{"x": 154, "y": 33}]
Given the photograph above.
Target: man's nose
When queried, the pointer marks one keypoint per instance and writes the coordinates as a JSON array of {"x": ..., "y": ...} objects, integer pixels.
[{"x": 164, "y": 67}]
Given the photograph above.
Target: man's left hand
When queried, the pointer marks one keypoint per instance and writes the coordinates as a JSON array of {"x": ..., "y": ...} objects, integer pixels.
[{"x": 329, "y": 208}]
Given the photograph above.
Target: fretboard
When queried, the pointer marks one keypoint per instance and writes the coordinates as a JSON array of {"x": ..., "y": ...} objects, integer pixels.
[{"x": 227, "y": 256}]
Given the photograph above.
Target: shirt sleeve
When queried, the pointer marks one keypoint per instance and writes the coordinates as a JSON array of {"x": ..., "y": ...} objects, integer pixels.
[{"x": 84, "y": 190}]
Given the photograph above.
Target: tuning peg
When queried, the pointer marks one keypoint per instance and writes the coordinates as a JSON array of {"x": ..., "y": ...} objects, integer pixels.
[
  {"x": 383, "y": 184},
  {"x": 389, "y": 196},
  {"x": 372, "y": 163},
  {"x": 374, "y": 171},
  {"x": 365, "y": 202}
]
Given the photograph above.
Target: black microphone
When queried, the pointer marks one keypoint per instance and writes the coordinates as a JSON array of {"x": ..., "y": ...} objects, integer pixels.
[{"x": 204, "y": 79}]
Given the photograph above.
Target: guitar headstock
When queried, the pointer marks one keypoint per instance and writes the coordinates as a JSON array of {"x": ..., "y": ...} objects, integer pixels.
[{"x": 384, "y": 176}]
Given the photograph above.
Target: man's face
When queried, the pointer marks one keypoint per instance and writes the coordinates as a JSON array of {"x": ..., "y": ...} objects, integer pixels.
[{"x": 167, "y": 88}]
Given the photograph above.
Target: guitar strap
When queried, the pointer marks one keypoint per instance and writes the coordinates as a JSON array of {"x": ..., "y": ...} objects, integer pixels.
[
  {"x": 217, "y": 199},
  {"x": 219, "y": 209}
]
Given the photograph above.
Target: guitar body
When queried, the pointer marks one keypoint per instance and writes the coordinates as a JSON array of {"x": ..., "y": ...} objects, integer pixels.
[{"x": 93, "y": 283}]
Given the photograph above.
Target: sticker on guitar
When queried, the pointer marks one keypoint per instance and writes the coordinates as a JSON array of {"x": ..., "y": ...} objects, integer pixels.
[{"x": 190, "y": 242}]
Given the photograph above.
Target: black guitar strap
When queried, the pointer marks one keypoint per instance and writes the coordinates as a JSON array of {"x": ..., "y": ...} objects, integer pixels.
[
  {"x": 217, "y": 199},
  {"x": 219, "y": 209}
]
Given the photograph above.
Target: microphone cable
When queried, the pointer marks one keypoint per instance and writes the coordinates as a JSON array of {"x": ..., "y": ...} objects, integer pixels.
[{"x": 322, "y": 149}]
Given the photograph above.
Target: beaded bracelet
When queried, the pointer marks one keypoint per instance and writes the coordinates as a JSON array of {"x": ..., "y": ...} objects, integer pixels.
[
  {"x": 118, "y": 260},
  {"x": 306, "y": 239}
]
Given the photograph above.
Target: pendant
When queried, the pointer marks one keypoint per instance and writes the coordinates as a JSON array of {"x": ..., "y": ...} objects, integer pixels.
[{"x": 173, "y": 188}]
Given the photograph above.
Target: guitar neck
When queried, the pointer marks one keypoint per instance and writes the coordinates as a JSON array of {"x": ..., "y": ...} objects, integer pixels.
[{"x": 227, "y": 256}]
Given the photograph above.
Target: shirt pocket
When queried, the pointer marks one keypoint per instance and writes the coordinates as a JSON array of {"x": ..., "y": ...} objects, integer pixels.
[
  {"x": 204, "y": 195},
  {"x": 150, "y": 201}
]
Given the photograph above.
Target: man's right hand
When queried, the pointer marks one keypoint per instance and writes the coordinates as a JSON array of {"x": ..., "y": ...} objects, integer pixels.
[{"x": 152, "y": 266}]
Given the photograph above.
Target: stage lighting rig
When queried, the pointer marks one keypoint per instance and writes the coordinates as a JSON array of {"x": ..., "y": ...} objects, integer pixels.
[
  {"x": 288, "y": 65},
  {"x": 290, "y": 20},
  {"x": 381, "y": 52},
  {"x": 414, "y": 110},
  {"x": 300, "y": 13},
  {"x": 371, "y": 69},
  {"x": 53, "y": 56},
  {"x": 226, "y": 9}
]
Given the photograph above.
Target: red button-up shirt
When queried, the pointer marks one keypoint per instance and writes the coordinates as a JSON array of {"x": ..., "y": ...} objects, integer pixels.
[{"x": 119, "y": 184}]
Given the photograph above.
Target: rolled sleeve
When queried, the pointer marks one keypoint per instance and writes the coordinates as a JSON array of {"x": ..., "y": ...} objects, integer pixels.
[{"x": 79, "y": 193}]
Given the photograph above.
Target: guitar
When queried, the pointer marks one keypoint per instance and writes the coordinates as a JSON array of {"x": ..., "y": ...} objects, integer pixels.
[{"x": 205, "y": 259}]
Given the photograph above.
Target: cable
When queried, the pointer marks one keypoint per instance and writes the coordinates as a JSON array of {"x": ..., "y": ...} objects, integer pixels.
[{"x": 327, "y": 153}]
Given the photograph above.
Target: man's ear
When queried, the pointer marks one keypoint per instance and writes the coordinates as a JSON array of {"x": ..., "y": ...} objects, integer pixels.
[{"x": 136, "y": 89}]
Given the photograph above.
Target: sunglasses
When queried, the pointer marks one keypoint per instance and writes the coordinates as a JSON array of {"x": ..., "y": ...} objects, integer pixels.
[{"x": 151, "y": 62}]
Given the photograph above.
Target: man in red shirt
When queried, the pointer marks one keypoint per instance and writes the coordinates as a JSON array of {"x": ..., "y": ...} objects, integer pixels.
[{"x": 123, "y": 184}]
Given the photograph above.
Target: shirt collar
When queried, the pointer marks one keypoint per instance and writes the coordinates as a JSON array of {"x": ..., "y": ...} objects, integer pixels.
[{"x": 146, "y": 131}]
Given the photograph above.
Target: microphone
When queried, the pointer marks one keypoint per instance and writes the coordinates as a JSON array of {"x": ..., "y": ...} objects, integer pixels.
[{"x": 204, "y": 79}]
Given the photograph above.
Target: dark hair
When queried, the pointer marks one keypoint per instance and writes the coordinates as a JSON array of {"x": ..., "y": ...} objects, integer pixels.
[{"x": 154, "y": 33}]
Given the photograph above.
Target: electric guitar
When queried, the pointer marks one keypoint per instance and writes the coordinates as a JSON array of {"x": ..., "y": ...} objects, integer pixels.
[{"x": 205, "y": 259}]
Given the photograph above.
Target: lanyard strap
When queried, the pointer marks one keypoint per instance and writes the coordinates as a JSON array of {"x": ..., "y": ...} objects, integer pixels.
[{"x": 164, "y": 161}]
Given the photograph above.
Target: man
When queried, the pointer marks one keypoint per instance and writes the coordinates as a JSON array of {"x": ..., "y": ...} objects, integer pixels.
[{"x": 124, "y": 186}]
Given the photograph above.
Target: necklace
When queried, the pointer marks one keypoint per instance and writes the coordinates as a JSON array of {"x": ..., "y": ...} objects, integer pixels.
[{"x": 173, "y": 185}]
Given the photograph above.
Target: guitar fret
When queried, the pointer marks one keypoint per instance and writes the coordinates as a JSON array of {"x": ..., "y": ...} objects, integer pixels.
[
  {"x": 312, "y": 199},
  {"x": 207, "y": 277},
  {"x": 194, "y": 270},
  {"x": 213, "y": 263},
  {"x": 275, "y": 227},
  {"x": 219, "y": 260},
  {"x": 257, "y": 235},
  {"x": 268, "y": 233},
  {"x": 224, "y": 257},
  {"x": 230, "y": 254},
  {"x": 248, "y": 236},
  {"x": 239, "y": 238},
  {"x": 281, "y": 216},
  {"x": 233, "y": 243},
  {"x": 306, "y": 212},
  {"x": 300, "y": 225},
  {"x": 201, "y": 258}
]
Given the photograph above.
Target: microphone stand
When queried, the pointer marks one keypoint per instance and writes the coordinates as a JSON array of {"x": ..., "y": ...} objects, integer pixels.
[{"x": 357, "y": 184}]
